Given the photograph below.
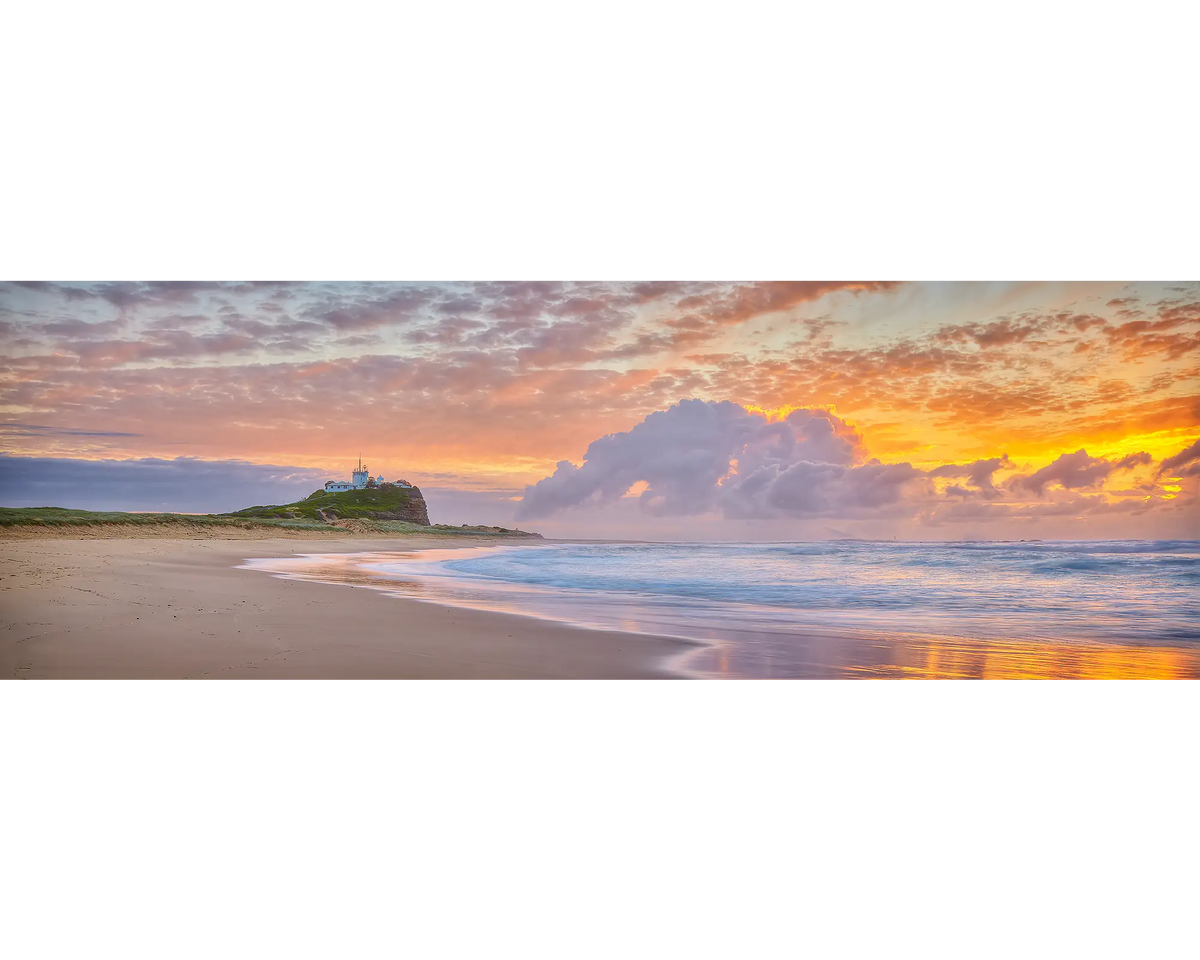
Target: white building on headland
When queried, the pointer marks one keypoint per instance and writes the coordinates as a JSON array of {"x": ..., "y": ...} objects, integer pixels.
[{"x": 360, "y": 479}]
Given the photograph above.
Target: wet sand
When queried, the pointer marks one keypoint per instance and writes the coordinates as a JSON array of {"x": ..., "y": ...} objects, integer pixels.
[{"x": 159, "y": 608}]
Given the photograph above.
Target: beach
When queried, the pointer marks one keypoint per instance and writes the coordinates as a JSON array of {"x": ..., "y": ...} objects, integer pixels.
[
  {"x": 158, "y": 607},
  {"x": 149, "y": 603}
]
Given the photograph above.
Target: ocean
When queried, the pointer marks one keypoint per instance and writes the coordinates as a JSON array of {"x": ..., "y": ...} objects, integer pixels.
[{"x": 839, "y": 608}]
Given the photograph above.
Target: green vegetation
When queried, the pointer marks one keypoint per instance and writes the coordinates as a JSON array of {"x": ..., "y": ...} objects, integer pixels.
[
  {"x": 59, "y": 517},
  {"x": 380, "y": 511},
  {"x": 434, "y": 530},
  {"x": 347, "y": 505}
]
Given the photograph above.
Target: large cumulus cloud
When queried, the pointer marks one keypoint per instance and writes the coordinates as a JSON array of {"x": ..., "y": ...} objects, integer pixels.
[
  {"x": 702, "y": 456},
  {"x": 721, "y": 459},
  {"x": 681, "y": 453}
]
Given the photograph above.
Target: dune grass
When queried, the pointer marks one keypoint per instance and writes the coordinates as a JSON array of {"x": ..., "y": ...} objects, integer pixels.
[{"x": 61, "y": 517}]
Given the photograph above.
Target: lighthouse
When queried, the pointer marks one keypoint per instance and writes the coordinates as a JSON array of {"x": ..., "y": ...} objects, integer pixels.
[{"x": 360, "y": 476}]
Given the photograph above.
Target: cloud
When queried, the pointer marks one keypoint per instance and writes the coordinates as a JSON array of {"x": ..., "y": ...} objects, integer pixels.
[
  {"x": 745, "y": 301},
  {"x": 1133, "y": 460},
  {"x": 1182, "y": 458},
  {"x": 11, "y": 428},
  {"x": 703, "y": 311},
  {"x": 808, "y": 489},
  {"x": 351, "y": 313},
  {"x": 126, "y": 295},
  {"x": 81, "y": 328},
  {"x": 1074, "y": 507},
  {"x": 265, "y": 282},
  {"x": 999, "y": 333},
  {"x": 160, "y": 345},
  {"x": 680, "y": 453},
  {"x": 657, "y": 290},
  {"x": 282, "y": 327},
  {"x": 701, "y": 456},
  {"x": 1076, "y": 471},
  {"x": 978, "y": 473},
  {"x": 1142, "y": 338},
  {"x": 720, "y": 459}
]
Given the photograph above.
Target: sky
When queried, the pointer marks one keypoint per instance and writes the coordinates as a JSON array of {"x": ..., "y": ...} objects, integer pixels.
[{"x": 654, "y": 410}]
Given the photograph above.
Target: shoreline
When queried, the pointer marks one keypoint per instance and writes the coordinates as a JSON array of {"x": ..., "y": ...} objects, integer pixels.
[
  {"x": 155, "y": 606},
  {"x": 732, "y": 640},
  {"x": 160, "y": 607}
]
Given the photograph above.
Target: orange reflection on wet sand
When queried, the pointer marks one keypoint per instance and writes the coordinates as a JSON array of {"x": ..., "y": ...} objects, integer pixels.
[{"x": 951, "y": 657}]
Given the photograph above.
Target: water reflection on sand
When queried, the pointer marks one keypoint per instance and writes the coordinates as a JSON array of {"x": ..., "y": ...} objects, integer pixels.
[{"x": 940, "y": 657}]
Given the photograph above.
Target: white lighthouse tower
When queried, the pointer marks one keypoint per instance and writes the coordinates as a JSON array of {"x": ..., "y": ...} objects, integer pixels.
[{"x": 360, "y": 476}]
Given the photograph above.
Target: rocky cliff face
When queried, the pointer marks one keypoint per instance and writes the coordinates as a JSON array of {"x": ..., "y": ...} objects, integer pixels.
[
  {"x": 387, "y": 503},
  {"x": 414, "y": 511}
]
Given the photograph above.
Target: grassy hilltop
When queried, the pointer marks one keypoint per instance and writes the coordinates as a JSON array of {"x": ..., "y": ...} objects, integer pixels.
[{"x": 381, "y": 503}]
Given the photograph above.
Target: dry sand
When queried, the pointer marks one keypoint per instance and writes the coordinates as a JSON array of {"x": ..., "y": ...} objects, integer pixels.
[{"x": 159, "y": 607}]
